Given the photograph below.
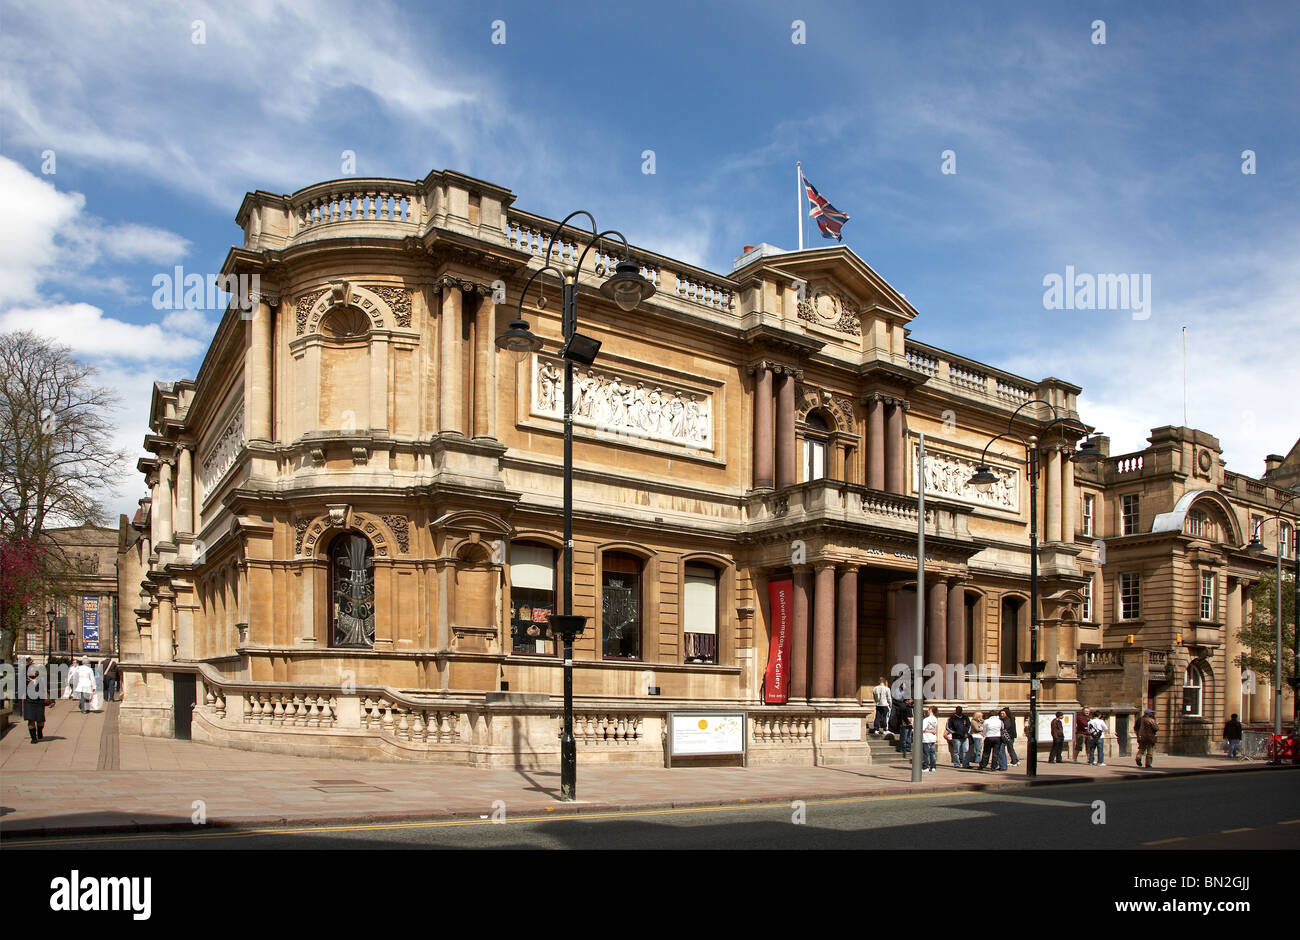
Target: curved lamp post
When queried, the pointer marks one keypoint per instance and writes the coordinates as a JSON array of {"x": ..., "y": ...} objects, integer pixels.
[
  {"x": 983, "y": 480},
  {"x": 627, "y": 288},
  {"x": 1256, "y": 547}
]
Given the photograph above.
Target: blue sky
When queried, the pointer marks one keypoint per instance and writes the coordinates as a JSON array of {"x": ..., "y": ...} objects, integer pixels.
[{"x": 1122, "y": 157}]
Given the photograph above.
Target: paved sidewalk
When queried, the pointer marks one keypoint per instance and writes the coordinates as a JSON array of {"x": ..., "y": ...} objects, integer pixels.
[{"x": 85, "y": 778}]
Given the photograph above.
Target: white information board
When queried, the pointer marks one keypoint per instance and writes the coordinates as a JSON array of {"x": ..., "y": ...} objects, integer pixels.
[
  {"x": 845, "y": 729},
  {"x": 696, "y": 734},
  {"x": 1045, "y": 726}
]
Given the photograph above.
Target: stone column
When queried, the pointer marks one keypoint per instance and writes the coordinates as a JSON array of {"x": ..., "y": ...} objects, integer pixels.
[
  {"x": 1052, "y": 493},
  {"x": 846, "y": 635},
  {"x": 1232, "y": 649},
  {"x": 823, "y": 678},
  {"x": 895, "y": 459},
  {"x": 485, "y": 372},
  {"x": 786, "y": 474},
  {"x": 799, "y": 635},
  {"x": 163, "y": 505},
  {"x": 450, "y": 380},
  {"x": 258, "y": 372},
  {"x": 957, "y": 622},
  {"x": 185, "y": 490},
  {"x": 876, "y": 443},
  {"x": 936, "y": 623},
  {"x": 1068, "y": 500},
  {"x": 764, "y": 452}
]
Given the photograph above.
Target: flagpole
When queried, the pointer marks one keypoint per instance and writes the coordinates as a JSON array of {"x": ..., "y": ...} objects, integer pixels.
[{"x": 798, "y": 197}]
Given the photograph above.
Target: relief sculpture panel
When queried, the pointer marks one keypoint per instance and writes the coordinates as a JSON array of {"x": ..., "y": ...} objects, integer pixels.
[{"x": 948, "y": 476}]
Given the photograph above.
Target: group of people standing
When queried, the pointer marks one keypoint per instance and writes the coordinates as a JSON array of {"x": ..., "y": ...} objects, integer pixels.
[{"x": 82, "y": 684}]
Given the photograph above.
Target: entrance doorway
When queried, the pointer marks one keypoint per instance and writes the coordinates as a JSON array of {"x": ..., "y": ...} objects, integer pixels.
[{"x": 183, "y": 699}]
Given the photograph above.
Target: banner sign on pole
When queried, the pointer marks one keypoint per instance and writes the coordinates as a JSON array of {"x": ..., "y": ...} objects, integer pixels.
[
  {"x": 776, "y": 682},
  {"x": 90, "y": 624}
]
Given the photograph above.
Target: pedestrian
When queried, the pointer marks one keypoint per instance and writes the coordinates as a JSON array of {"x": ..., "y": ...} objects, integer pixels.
[
  {"x": 1232, "y": 736},
  {"x": 929, "y": 738},
  {"x": 81, "y": 685},
  {"x": 1009, "y": 735},
  {"x": 1147, "y": 731},
  {"x": 110, "y": 683},
  {"x": 976, "y": 739},
  {"x": 992, "y": 756},
  {"x": 958, "y": 734},
  {"x": 1097, "y": 739},
  {"x": 1081, "y": 732},
  {"x": 882, "y": 698},
  {"x": 904, "y": 712},
  {"x": 35, "y": 696},
  {"x": 1058, "y": 739}
]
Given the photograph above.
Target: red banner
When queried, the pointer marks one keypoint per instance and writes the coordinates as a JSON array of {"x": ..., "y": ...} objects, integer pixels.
[{"x": 776, "y": 682}]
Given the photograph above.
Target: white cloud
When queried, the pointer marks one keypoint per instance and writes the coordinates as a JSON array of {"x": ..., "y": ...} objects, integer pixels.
[
  {"x": 35, "y": 213},
  {"x": 94, "y": 336}
]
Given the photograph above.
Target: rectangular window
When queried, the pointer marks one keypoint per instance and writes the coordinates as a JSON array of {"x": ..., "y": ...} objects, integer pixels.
[
  {"x": 1130, "y": 514},
  {"x": 814, "y": 460},
  {"x": 33, "y": 640},
  {"x": 1207, "y": 595},
  {"x": 700, "y": 615},
  {"x": 1130, "y": 596},
  {"x": 1085, "y": 613},
  {"x": 1196, "y": 523},
  {"x": 532, "y": 597},
  {"x": 1256, "y": 522},
  {"x": 1089, "y": 512},
  {"x": 620, "y": 606},
  {"x": 1284, "y": 540}
]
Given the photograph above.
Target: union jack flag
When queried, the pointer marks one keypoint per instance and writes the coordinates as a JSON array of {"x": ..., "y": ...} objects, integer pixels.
[{"x": 829, "y": 219}]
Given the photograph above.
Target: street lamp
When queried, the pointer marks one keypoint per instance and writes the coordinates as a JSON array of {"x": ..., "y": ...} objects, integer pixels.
[
  {"x": 1256, "y": 547},
  {"x": 983, "y": 480},
  {"x": 50, "y": 616},
  {"x": 627, "y": 288}
]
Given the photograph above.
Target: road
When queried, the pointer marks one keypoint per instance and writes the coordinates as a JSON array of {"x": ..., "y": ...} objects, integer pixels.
[{"x": 1214, "y": 811}]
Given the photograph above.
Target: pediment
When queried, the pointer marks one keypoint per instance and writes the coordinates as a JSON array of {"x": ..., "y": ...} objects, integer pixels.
[{"x": 839, "y": 285}]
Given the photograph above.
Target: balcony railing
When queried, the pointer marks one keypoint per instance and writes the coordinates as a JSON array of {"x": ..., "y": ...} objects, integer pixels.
[
  {"x": 971, "y": 380},
  {"x": 834, "y": 501}
]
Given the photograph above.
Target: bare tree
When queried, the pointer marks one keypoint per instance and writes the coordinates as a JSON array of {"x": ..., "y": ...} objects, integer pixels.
[{"x": 56, "y": 460}]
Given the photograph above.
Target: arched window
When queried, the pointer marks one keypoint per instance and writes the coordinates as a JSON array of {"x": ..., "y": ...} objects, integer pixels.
[
  {"x": 1193, "y": 689},
  {"x": 700, "y": 615},
  {"x": 532, "y": 596},
  {"x": 352, "y": 591},
  {"x": 620, "y": 605},
  {"x": 816, "y": 438}
]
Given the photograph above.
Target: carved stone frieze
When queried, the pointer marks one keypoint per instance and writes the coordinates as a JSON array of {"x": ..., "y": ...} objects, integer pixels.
[
  {"x": 831, "y": 309},
  {"x": 399, "y": 301},
  {"x": 401, "y": 531},
  {"x": 948, "y": 475},
  {"x": 618, "y": 404},
  {"x": 303, "y": 306},
  {"x": 222, "y": 452}
]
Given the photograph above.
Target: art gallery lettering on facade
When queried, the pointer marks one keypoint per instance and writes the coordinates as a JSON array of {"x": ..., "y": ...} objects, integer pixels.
[{"x": 353, "y": 540}]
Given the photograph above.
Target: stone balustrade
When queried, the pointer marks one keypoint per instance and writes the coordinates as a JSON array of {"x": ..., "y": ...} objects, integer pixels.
[
  {"x": 962, "y": 378},
  {"x": 378, "y": 201},
  {"x": 834, "y": 501},
  {"x": 1125, "y": 463}
]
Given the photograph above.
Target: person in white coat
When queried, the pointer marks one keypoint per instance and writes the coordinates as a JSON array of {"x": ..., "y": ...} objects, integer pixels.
[{"x": 81, "y": 685}]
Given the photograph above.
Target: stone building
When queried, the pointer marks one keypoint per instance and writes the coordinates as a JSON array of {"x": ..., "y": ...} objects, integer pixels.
[
  {"x": 1172, "y": 589},
  {"x": 83, "y": 599},
  {"x": 352, "y": 537}
]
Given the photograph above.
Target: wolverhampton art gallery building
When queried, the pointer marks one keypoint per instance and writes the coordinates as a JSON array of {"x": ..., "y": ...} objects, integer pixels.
[{"x": 353, "y": 536}]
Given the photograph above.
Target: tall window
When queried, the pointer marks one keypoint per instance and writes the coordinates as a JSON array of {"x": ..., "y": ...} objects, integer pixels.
[
  {"x": 1196, "y": 523},
  {"x": 1130, "y": 516},
  {"x": 352, "y": 571},
  {"x": 814, "y": 447},
  {"x": 1207, "y": 595},
  {"x": 1256, "y": 523},
  {"x": 620, "y": 606},
  {"x": 1130, "y": 596},
  {"x": 1193, "y": 687},
  {"x": 1085, "y": 613},
  {"x": 532, "y": 597},
  {"x": 1008, "y": 642},
  {"x": 700, "y": 615},
  {"x": 1089, "y": 512},
  {"x": 1284, "y": 539}
]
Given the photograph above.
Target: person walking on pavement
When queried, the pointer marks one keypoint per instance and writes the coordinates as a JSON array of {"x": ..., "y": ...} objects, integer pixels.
[
  {"x": 1147, "y": 731},
  {"x": 929, "y": 738},
  {"x": 1009, "y": 735},
  {"x": 882, "y": 698},
  {"x": 81, "y": 685},
  {"x": 976, "y": 739},
  {"x": 958, "y": 728},
  {"x": 1081, "y": 733},
  {"x": 110, "y": 682},
  {"x": 1097, "y": 739},
  {"x": 904, "y": 713},
  {"x": 35, "y": 699},
  {"x": 992, "y": 743},
  {"x": 1232, "y": 736},
  {"x": 1058, "y": 739}
]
